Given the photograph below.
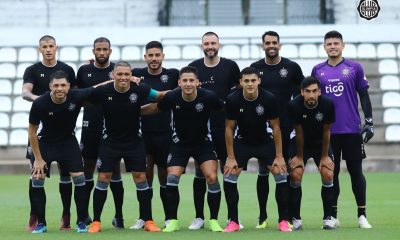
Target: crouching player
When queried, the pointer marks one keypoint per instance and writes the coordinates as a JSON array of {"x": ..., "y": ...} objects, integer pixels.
[
  {"x": 249, "y": 109},
  {"x": 312, "y": 116}
]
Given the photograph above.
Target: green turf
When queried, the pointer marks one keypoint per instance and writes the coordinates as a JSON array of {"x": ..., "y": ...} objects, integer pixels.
[{"x": 383, "y": 211}]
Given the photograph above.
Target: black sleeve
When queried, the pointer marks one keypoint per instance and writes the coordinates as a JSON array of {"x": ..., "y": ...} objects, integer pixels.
[
  {"x": 365, "y": 102},
  {"x": 29, "y": 75},
  {"x": 96, "y": 94},
  {"x": 34, "y": 114},
  {"x": 166, "y": 103},
  {"x": 292, "y": 112},
  {"x": 83, "y": 94},
  {"x": 79, "y": 80},
  {"x": 235, "y": 75},
  {"x": 216, "y": 103},
  {"x": 144, "y": 90},
  {"x": 230, "y": 109},
  {"x": 298, "y": 78},
  {"x": 71, "y": 77},
  {"x": 272, "y": 107}
]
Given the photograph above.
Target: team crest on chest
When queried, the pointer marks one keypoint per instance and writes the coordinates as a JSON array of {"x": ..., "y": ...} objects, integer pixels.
[
  {"x": 199, "y": 107},
  {"x": 133, "y": 97},
  {"x": 260, "y": 110},
  {"x": 319, "y": 116},
  {"x": 164, "y": 78},
  {"x": 71, "y": 107},
  {"x": 283, "y": 72},
  {"x": 345, "y": 72}
]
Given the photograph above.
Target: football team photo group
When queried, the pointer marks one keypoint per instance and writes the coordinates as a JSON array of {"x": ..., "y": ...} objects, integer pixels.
[{"x": 210, "y": 112}]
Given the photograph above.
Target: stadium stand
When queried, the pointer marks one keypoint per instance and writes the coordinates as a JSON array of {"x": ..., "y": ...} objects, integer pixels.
[
  {"x": 131, "y": 53},
  {"x": 391, "y": 99},
  {"x": 386, "y": 50},
  {"x": 366, "y": 50},
  {"x": 391, "y": 115},
  {"x": 388, "y": 66},
  {"x": 18, "y": 137},
  {"x": 20, "y": 120},
  {"x": 6, "y": 87},
  {"x": 8, "y": 54},
  {"x": 28, "y": 54},
  {"x": 258, "y": 9},
  {"x": 389, "y": 82},
  {"x": 4, "y": 120},
  {"x": 5, "y": 104},
  {"x": 220, "y": 14},
  {"x": 68, "y": 54},
  {"x": 392, "y": 133},
  {"x": 191, "y": 52},
  {"x": 308, "y": 51},
  {"x": 7, "y": 70},
  {"x": 20, "y": 105},
  {"x": 3, "y": 138}
]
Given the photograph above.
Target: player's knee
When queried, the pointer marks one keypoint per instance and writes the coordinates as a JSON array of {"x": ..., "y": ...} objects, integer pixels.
[
  {"x": 139, "y": 176},
  {"x": 104, "y": 177},
  {"x": 214, "y": 187},
  {"x": 327, "y": 183},
  {"x": 296, "y": 174},
  {"x": 102, "y": 185},
  {"x": 198, "y": 173},
  {"x": 79, "y": 180},
  {"x": 212, "y": 177},
  {"x": 326, "y": 174},
  {"x": 65, "y": 179},
  {"x": 142, "y": 186},
  {"x": 263, "y": 170},
  {"x": 173, "y": 180},
  {"x": 231, "y": 178},
  {"x": 280, "y": 178},
  {"x": 37, "y": 183}
]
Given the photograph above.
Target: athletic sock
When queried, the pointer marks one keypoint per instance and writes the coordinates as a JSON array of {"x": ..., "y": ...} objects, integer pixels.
[
  {"x": 32, "y": 212},
  {"x": 144, "y": 198},
  {"x": 262, "y": 195},
  {"x": 327, "y": 195},
  {"x": 214, "y": 199},
  {"x": 39, "y": 203},
  {"x": 232, "y": 200},
  {"x": 99, "y": 198},
  {"x": 163, "y": 199},
  {"x": 282, "y": 196},
  {"x": 199, "y": 191},
  {"x": 80, "y": 200},
  {"x": 65, "y": 189},
  {"x": 89, "y": 184},
  {"x": 361, "y": 211},
  {"x": 295, "y": 195},
  {"x": 172, "y": 197},
  {"x": 117, "y": 189}
]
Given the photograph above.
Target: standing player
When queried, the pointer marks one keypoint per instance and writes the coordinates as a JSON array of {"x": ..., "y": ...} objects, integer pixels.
[
  {"x": 282, "y": 77},
  {"x": 121, "y": 101},
  {"x": 312, "y": 116},
  {"x": 36, "y": 82},
  {"x": 248, "y": 110},
  {"x": 156, "y": 128},
  {"x": 57, "y": 111},
  {"x": 219, "y": 75},
  {"x": 89, "y": 75},
  {"x": 341, "y": 80},
  {"x": 191, "y": 109}
]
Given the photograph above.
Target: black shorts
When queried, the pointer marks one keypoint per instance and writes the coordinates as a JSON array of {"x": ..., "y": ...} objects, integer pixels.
[
  {"x": 200, "y": 152},
  {"x": 265, "y": 152},
  {"x": 348, "y": 146},
  {"x": 132, "y": 152},
  {"x": 90, "y": 143},
  {"x": 157, "y": 145},
  {"x": 315, "y": 154},
  {"x": 67, "y": 153},
  {"x": 218, "y": 140}
]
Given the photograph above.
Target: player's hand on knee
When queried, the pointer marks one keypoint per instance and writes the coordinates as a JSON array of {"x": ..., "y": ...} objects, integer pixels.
[
  {"x": 39, "y": 167},
  {"x": 230, "y": 165},
  {"x": 280, "y": 165},
  {"x": 326, "y": 162},
  {"x": 296, "y": 162}
]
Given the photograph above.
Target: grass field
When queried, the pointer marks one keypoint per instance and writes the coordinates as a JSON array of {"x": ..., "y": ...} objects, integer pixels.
[{"x": 383, "y": 198}]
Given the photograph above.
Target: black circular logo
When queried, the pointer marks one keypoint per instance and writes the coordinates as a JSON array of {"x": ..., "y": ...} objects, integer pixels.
[{"x": 368, "y": 9}]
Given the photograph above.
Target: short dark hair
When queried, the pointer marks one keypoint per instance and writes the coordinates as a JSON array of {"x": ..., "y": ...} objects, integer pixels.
[
  {"x": 46, "y": 38},
  {"x": 102, "y": 39},
  {"x": 248, "y": 71},
  {"x": 270, "y": 33},
  {"x": 154, "y": 44},
  {"x": 309, "y": 81},
  {"x": 122, "y": 64},
  {"x": 188, "y": 69},
  {"x": 209, "y": 34},
  {"x": 58, "y": 75},
  {"x": 333, "y": 34}
]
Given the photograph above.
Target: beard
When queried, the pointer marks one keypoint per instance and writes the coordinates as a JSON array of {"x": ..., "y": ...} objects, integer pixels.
[
  {"x": 103, "y": 60},
  {"x": 215, "y": 53}
]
